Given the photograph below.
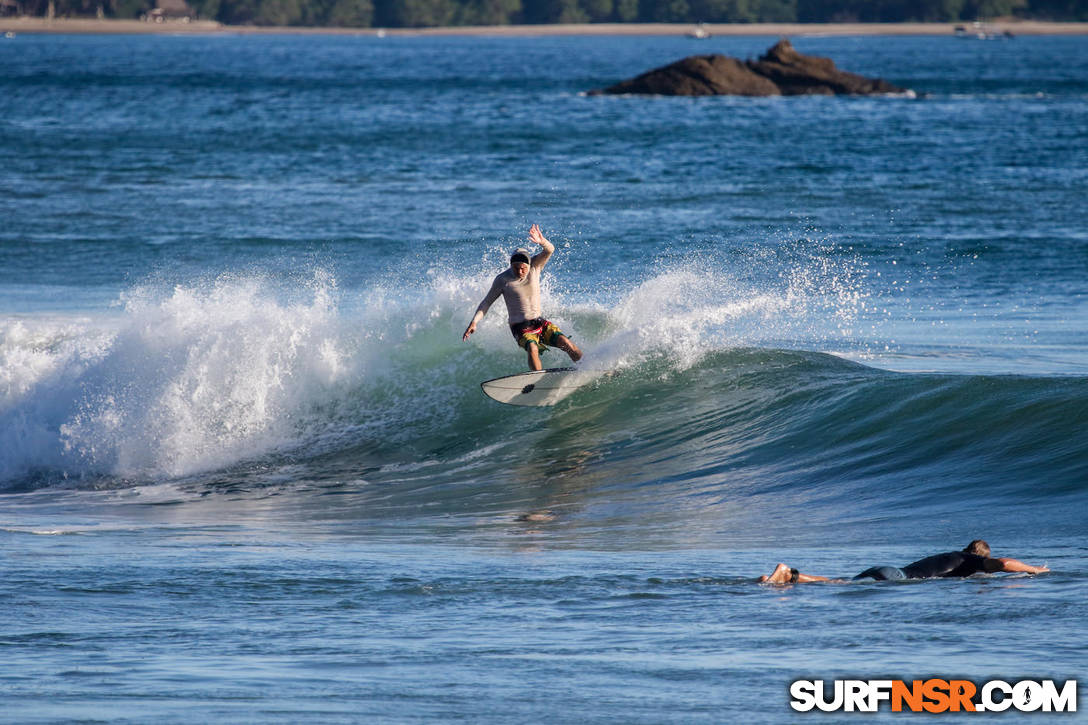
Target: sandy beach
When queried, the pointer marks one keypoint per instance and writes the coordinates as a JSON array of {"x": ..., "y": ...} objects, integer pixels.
[{"x": 18, "y": 25}]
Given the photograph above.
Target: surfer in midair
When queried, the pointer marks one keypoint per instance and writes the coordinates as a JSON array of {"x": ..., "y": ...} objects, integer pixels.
[{"x": 520, "y": 288}]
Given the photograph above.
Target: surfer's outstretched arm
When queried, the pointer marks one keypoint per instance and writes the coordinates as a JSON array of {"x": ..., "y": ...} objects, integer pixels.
[
  {"x": 537, "y": 237},
  {"x": 485, "y": 304},
  {"x": 1014, "y": 565}
]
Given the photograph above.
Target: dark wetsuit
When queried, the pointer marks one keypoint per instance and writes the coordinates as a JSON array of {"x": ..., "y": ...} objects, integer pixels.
[{"x": 949, "y": 564}]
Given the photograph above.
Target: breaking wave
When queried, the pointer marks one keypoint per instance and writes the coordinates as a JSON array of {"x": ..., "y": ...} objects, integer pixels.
[{"x": 711, "y": 386}]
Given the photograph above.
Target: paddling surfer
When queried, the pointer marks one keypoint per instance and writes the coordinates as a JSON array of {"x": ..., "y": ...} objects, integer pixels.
[
  {"x": 973, "y": 559},
  {"x": 520, "y": 288}
]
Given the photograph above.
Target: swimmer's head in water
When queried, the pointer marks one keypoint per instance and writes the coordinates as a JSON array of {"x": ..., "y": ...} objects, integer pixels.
[{"x": 977, "y": 547}]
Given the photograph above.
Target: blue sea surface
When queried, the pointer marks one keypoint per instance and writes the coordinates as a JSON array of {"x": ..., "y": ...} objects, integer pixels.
[{"x": 247, "y": 473}]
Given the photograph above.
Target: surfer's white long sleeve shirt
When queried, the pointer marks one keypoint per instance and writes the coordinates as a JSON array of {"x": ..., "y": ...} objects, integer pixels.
[{"x": 522, "y": 295}]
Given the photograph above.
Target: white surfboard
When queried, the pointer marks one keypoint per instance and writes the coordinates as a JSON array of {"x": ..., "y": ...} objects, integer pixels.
[{"x": 536, "y": 387}]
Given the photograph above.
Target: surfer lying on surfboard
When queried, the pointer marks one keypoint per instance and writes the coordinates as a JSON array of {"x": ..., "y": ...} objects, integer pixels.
[
  {"x": 974, "y": 558},
  {"x": 520, "y": 288}
]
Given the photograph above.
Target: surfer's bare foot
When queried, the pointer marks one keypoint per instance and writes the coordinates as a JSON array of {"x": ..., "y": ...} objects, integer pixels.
[{"x": 780, "y": 575}]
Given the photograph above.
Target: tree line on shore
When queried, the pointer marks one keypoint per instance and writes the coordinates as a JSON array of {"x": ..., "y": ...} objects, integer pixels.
[{"x": 430, "y": 13}]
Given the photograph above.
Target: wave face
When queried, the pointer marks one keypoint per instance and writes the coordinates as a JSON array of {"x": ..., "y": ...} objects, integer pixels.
[{"x": 248, "y": 382}]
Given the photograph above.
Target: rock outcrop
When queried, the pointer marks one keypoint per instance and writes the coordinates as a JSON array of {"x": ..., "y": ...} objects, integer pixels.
[
  {"x": 779, "y": 71},
  {"x": 699, "y": 75}
]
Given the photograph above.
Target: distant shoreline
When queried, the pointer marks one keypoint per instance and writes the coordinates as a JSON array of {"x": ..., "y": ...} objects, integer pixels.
[{"x": 35, "y": 25}]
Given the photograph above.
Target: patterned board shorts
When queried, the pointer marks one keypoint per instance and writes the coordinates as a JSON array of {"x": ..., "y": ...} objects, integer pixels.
[{"x": 539, "y": 332}]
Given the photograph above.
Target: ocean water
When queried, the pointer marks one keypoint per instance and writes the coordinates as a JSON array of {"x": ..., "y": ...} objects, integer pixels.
[{"x": 246, "y": 471}]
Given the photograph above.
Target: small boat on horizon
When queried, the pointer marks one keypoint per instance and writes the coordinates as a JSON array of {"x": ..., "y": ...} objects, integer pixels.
[
  {"x": 699, "y": 32},
  {"x": 981, "y": 31}
]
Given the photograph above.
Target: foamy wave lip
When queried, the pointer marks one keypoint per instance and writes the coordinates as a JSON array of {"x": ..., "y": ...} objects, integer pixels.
[
  {"x": 688, "y": 313},
  {"x": 195, "y": 378},
  {"x": 31, "y": 351},
  {"x": 208, "y": 377}
]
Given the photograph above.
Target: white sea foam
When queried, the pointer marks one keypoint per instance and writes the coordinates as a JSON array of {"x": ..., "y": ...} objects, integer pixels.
[
  {"x": 688, "y": 311},
  {"x": 192, "y": 378}
]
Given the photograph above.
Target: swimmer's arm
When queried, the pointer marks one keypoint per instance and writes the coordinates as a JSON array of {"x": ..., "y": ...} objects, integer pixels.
[
  {"x": 482, "y": 308},
  {"x": 1014, "y": 565},
  {"x": 537, "y": 237},
  {"x": 804, "y": 578}
]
